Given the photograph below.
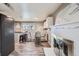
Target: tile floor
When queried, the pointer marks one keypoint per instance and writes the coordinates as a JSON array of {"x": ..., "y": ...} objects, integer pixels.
[{"x": 29, "y": 49}]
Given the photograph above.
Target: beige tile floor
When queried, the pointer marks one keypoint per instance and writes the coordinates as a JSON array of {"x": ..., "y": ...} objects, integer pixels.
[{"x": 29, "y": 49}]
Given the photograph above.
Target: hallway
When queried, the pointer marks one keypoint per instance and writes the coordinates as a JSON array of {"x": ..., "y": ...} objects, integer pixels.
[{"x": 29, "y": 49}]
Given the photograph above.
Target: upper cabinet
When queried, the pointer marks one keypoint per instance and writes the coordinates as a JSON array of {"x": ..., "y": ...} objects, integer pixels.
[
  {"x": 17, "y": 27},
  {"x": 48, "y": 23},
  {"x": 69, "y": 14}
]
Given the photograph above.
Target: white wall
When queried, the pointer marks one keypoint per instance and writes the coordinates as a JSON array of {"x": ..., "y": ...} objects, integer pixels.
[
  {"x": 67, "y": 27},
  {"x": 69, "y": 14}
]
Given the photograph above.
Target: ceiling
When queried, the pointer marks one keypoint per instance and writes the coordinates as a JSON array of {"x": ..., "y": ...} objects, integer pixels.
[{"x": 33, "y": 11}]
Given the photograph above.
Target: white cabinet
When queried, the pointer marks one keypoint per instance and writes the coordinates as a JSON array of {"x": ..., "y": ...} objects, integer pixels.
[
  {"x": 48, "y": 23},
  {"x": 49, "y": 37}
]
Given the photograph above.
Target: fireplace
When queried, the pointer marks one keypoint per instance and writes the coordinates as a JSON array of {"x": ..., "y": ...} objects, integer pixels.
[
  {"x": 70, "y": 47},
  {"x": 63, "y": 47}
]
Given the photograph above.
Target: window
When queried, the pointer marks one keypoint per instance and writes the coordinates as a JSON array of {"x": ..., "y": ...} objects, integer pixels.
[{"x": 26, "y": 26}]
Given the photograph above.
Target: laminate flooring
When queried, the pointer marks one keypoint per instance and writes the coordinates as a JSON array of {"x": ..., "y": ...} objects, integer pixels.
[{"x": 29, "y": 49}]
